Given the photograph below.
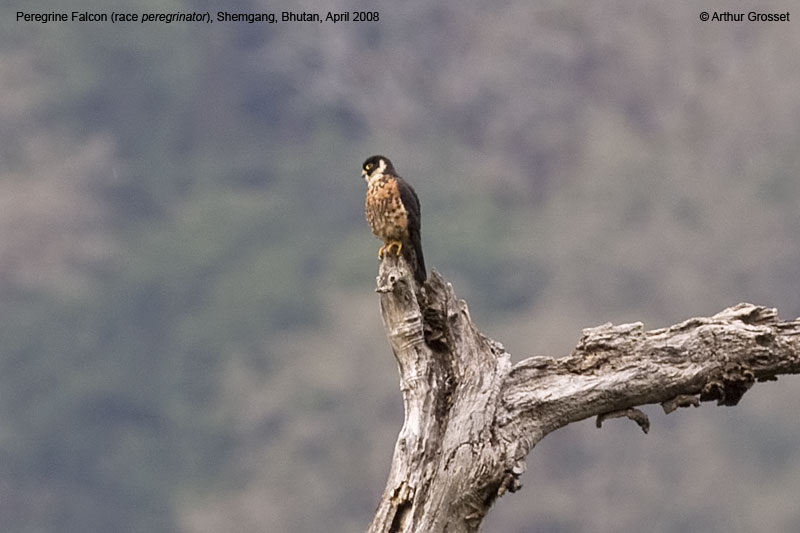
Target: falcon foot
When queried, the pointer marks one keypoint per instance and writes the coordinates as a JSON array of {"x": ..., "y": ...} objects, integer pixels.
[{"x": 388, "y": 247}]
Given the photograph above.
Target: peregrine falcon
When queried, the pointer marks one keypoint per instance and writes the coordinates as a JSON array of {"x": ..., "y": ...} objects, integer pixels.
[{"x": 392, "y": 211}]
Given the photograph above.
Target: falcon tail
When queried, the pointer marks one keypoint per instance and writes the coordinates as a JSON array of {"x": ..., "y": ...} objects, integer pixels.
[{"x": 413, "y": 255}]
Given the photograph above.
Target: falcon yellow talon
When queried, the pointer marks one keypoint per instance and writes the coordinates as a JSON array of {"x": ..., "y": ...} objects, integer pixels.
[{"x": 393, "y": 244}]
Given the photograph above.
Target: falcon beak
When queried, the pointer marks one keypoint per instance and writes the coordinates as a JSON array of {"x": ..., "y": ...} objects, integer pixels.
[{"x": 364, "y": 174}]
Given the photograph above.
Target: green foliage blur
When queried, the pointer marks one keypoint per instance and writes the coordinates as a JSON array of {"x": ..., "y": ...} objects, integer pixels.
[{"x": 190, "y": 338}]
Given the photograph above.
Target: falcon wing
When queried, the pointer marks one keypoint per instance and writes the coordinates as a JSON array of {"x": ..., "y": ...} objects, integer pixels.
[{"x": 411, "y": 203}]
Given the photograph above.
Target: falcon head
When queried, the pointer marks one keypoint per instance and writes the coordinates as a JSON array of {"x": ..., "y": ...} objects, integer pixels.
[{"x": 376, "y": 166}]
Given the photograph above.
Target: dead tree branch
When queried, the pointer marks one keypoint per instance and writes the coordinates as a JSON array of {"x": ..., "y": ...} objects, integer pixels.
[{"x": 471, "y": 417}]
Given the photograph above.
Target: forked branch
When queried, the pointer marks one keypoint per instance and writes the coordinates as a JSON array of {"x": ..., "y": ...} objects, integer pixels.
[{"x": 471, "y": 417}]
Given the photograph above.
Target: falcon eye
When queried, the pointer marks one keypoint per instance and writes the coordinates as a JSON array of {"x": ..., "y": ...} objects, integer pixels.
[{"x": 368, "y": 166}]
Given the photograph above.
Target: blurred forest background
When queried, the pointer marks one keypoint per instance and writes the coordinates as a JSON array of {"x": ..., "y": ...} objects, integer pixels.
[{"x": 190, "y": 337}]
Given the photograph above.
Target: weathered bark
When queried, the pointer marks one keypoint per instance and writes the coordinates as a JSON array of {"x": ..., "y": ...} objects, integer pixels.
[{"x": 471, "y": 416}]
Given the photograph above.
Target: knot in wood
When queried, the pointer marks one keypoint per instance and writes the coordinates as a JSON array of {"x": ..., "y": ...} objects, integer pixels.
[
  {"x": 729, "y": 386},
  {"x": 390, "y": 279}
]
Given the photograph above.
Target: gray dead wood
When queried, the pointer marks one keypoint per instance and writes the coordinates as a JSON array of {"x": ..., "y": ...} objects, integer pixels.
[{"x": 471, "y": 417}]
